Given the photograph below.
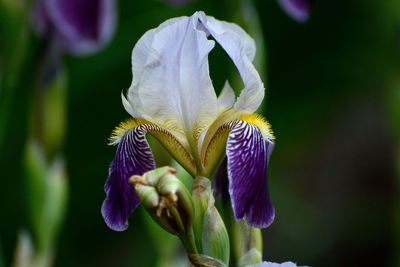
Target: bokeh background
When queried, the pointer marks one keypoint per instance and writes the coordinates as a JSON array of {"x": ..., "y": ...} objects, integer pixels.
[{"x": 332, "y": 98}]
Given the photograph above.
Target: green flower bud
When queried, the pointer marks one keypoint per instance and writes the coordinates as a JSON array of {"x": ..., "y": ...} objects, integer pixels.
[
  {"x": 215, "y": 240},
  {"x": 166, "y": 199},
  {"x": 148, "y": 196},
  {"x": 53, "y": 115},
  {"x": 211, "y": 235},
  {"x": 47, "y": 190},
  {"x": 201, "y": 192}
]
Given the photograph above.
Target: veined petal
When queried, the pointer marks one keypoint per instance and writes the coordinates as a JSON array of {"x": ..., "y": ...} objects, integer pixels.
[
  {"x": 177, "y": 148},
  {"x": 226, "y": 98},
  {"x": 247, "y": 153},
  {"x": 241, "y": 49},
  {"x": 171, "y": 83},
  {"x": 133, "y": 157},
  {"x": 213, "y": 151}
]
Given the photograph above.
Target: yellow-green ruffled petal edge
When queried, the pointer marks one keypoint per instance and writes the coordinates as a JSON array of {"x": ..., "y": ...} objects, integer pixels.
[
  {"x": 213, "y": 150},
  {"x": 165, "y": 137}
]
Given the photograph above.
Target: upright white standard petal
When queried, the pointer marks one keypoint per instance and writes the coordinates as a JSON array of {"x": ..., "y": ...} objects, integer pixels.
[
  {"x": 226, "y": 98},
  {"x": 241, "y": 48},
  {"x": 171, "y": 84}
]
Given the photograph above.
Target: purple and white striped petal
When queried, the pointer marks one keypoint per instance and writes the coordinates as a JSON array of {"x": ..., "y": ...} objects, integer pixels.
[
  {"x": 134, "y": 157},
  {"x": 296, "y": 9},
  {"x": 248, "y": 153}
]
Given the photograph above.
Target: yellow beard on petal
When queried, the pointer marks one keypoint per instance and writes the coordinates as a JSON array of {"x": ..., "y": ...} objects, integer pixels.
[
  {"x": 123, "y": 127},
  {"x": 121, "y": 130},
  {"x": 166, "y": 138},
  {"x": 261, "y": 123}
]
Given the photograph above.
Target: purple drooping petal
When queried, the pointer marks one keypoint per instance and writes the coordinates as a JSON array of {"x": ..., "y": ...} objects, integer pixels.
[
  {"x": 80, "y": 26},
  {"x": 133, "y": 157},
  {"x": 296, "y": 9},
  {"x": 248, "y": 152},
  {"x": 220, "y": 181}
]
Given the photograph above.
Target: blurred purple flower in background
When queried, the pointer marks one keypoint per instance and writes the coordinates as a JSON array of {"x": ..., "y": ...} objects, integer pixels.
[
  {"x": 296, "y": 9},
  {"x": 78, "y": 26}
]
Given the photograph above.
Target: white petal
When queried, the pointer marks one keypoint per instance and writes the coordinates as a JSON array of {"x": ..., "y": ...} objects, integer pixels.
[
  {"x": 171, "y": 82},
  {"x": 226, "y": 98},
  {"x": 241, "y": 48},
  {"x": 273, "y": 264},
  {"x": 128, "y": 106}
]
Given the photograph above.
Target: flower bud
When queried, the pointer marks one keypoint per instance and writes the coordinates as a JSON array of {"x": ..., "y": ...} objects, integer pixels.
[
  {"x": 211, "y": 235},
  {"x": 215, "y": 238},
  {"x": 51, "y": 114},
  {"x": 47, "y": 191},
  {"x": 148, "y": 195},
  {"x": 166, "y": 199},
  {"x": 201, "y": 191}
]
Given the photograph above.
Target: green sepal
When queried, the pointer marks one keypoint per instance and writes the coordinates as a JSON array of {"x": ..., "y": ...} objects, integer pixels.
[
  {"x": 201, "y": 192},
  {"x": 210, "y": 232},
  {"x": 215, "y": 239}
]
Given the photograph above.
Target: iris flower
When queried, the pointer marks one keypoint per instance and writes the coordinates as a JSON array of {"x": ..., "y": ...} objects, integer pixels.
[
  {"x": 172, "y": 98},
  {"x": 80, "y": 26}
]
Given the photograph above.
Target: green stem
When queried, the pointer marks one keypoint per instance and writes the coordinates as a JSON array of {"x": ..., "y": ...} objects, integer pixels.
[
  {"x": 191, "y": 239},
  {"x": 187, "y": 237}
]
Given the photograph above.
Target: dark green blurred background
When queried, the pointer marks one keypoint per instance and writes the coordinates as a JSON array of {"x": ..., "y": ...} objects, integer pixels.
[{"x": 332, "y": 99}]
